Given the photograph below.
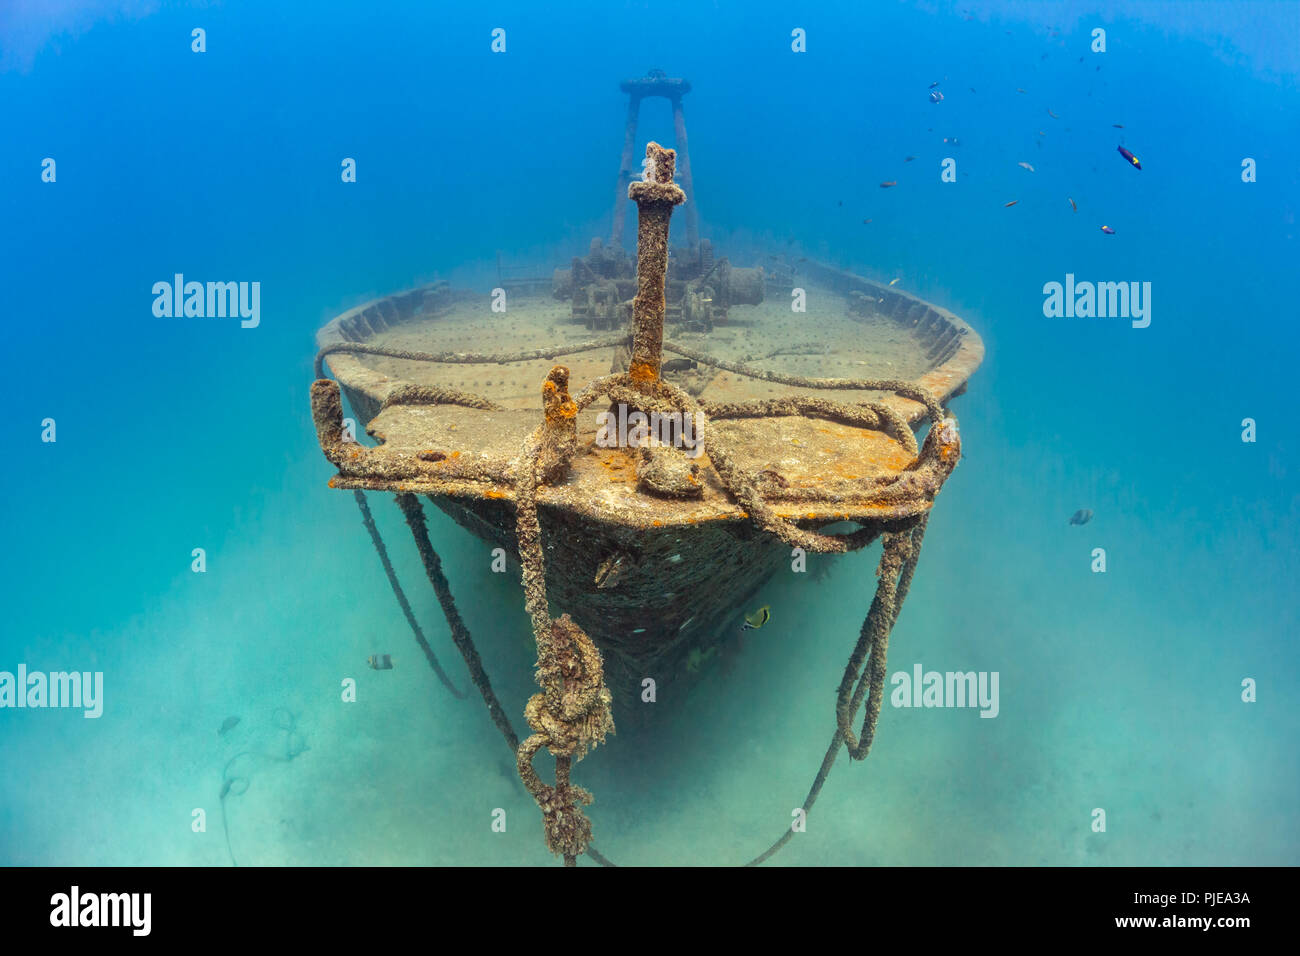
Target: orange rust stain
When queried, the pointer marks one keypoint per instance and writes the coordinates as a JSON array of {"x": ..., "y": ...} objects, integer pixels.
[
  {"x": 493, "y": 493},
  {"x": 644, "y": 372},
  {"x": 619, "y": 466},
  {"x": 332, "y": 485}
]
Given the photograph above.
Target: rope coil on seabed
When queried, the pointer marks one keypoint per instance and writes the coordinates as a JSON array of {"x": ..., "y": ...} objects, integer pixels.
[{"x": 567, "y": 731}]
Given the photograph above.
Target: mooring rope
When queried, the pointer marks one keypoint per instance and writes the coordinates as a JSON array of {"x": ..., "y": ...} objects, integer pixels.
[
  {"x": 414, "y": 514},
  {"x": 368, "y": 520},
  {"x": 409, "y": 392},
  {"x": 463, "y": 358},
  {"x": 904, "y": 549},
  {"x": 567, "y": 830},
  {"x": 568, "y": 731}
]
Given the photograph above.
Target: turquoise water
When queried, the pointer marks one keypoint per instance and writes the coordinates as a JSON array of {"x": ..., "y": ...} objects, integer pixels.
[{"x": 1119, "y": 690}]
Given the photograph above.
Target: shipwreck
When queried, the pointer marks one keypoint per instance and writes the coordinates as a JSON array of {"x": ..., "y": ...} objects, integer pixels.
[{"x": 638, "y": 545}]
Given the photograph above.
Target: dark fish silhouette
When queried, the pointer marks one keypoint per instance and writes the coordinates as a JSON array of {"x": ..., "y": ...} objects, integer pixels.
[
  {"x": 227, "y": 725},
  {"x": 1137, "y": 163},
  {"x": 1082, "y": 516},
  {"x": 678, "y": 365}
]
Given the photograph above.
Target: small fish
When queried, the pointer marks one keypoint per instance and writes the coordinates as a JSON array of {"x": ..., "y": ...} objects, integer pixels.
[
  {"x": 1107, "y": 230},
  {"x": 1082, "y": 516},
  {"x": 1052, "y": 115},
  {"x": 757, "y": 619},
  {"x": 1072, "y": 205},
  {"x": 1025, "y": 166},
  {"x": 935, "y": 96},
  {"x": 1012, "y": 203},
  {"x": 841, "y": 202},
  {"x": 892, "y": 182},
  {"x": 1041, "y": 133},
  {"x": 1137, "y": 163},
  {"x": 1117, "y": 125},
  {"x": 894, "y": 281},
  {"x": 380, "y": 662},
  {"x": 908, "y": 159},
  {"x": 678, "y": 365},
  {"x": 865, "y": 221},
  {"x": 952, "y": 141},
  {"x": 934, "y": 84},
  {"x": 1019, "y": 90},
  {"x": 227, "y": 725}
]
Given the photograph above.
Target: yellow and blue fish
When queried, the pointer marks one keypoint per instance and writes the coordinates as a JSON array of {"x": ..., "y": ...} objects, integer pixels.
[{"x": 757, "y": 619}]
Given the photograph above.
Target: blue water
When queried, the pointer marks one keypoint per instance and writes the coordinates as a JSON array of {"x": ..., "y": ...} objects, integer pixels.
[{"x": 1119, "y": 691}]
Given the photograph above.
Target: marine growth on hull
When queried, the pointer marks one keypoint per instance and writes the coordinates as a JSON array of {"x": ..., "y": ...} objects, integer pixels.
[{"x": 707, "y": 423}]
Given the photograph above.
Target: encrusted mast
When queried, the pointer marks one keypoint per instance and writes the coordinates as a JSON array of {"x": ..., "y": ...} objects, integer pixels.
[{"x": 655, "y": 198}]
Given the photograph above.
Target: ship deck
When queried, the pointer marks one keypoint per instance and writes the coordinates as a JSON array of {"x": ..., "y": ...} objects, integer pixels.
[{"x": 897, "y": 337}]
